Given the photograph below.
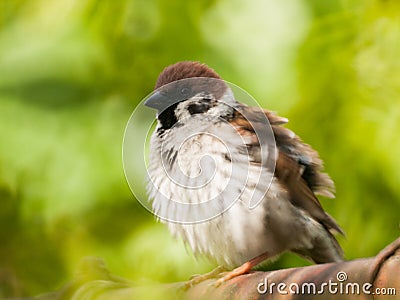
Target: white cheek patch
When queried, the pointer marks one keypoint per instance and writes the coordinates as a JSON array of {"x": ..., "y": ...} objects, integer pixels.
[
  {"x": 182, "y": 112},
  {"x": 215, "y": 108}
]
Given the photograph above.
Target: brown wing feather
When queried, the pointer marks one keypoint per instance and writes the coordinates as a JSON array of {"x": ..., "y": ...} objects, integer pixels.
[
  {"x": 307, "y": 158},
  {"x": 298, "y": 167},
  {"x": 288, "y": 171}
]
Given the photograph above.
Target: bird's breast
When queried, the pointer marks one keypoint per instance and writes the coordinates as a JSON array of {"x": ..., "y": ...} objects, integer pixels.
[{"x": 201, "y": 184}]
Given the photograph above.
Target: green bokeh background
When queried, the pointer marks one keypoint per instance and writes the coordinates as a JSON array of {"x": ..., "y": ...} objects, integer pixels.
[{"x": 71, "y": 73}]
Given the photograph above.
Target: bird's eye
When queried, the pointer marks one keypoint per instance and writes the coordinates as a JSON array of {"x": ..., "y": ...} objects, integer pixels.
[{"x": 185, "y": 91}]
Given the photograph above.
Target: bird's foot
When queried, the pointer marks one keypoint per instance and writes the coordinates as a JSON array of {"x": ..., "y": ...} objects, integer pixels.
[
  {"x": 224, "y": 277},
  {"x": 196, "y": 279},
  {"x": 243, "y": 269}
]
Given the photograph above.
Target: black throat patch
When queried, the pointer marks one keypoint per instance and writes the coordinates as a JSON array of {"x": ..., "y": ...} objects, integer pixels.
[{"x": 167, "y": 118}]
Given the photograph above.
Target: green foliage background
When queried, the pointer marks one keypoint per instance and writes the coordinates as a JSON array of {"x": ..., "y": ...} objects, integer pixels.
[{"x": 71, "y": 73}]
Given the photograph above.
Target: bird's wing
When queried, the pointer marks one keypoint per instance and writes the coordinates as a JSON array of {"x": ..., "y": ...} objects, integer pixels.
[{"x": 298, "y": 167}]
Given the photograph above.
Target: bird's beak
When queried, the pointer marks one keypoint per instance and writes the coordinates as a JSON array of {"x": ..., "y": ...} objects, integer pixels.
[
  {"x": 159, "y": 101},
  {"x": 156, "y": 101}
]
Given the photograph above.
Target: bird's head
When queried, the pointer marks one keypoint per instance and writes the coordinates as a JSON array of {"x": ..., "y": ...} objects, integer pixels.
[{"x": 188, "y": 88}]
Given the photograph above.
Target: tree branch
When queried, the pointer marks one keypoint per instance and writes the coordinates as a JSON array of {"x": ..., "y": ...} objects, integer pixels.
[{"x": 356, "y": 279}]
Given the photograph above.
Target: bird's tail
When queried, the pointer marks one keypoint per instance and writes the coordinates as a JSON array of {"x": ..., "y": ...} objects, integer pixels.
[{"x": 325, "y": 250}]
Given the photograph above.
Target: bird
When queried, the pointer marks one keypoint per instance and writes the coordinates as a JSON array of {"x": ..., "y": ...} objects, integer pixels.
[{"x": 211, "y": 155}]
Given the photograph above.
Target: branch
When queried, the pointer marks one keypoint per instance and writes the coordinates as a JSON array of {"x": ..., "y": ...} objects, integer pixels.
[{"x": 367, "y": 276}]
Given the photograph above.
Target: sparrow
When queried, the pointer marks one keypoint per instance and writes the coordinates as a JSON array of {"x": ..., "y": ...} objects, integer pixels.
[{"x": 205, "y": 141}]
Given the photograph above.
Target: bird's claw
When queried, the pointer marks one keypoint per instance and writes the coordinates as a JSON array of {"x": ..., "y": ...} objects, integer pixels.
[
  {"x": 224, "y": 277},
  {"x": 198, "y": 278}
]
